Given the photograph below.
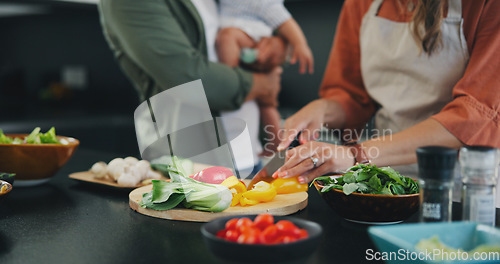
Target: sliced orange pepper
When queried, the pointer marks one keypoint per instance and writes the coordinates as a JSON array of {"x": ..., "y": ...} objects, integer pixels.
[
  {"x": 261, "y": 191},
  {"x": 289, "y": 185}
]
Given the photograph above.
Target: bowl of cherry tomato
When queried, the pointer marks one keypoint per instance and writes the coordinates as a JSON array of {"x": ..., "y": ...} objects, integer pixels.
[{"x": 261, "y": 238}]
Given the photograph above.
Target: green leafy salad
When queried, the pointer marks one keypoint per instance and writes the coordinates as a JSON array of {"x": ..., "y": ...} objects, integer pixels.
[
  {"x": 369, "y": 179},
  {"x": 35, "y": 137}
]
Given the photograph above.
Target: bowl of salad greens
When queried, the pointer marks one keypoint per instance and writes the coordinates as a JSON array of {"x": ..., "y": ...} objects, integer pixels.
[
  {"x": 368, "y": 194},
  {"x": 34, "y": 158}
]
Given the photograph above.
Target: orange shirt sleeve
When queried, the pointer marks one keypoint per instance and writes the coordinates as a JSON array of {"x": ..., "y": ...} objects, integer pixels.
[
  {"x": 342, "y": 81},
  {"x": 473, "y": 114}
]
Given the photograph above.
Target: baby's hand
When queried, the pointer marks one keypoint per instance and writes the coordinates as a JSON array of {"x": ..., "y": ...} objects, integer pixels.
[{"x": 303, "y": 54}]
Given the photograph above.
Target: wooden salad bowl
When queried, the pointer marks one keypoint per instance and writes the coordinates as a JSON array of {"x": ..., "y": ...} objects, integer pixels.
[
  {"x": 370, "y": 208},
  {"x": 35, "y": 163}
]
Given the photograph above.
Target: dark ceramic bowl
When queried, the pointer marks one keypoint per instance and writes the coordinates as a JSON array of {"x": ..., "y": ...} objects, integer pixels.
[
  {"x": 35, "y": 163},
  {"x": 370, "y": 208},
  {"x": 232, "y": 251},
  {"x": 5, "y": 189}
]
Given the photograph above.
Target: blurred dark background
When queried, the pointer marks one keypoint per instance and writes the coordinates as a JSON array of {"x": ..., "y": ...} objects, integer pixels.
[{"x": 47, "y": 44}]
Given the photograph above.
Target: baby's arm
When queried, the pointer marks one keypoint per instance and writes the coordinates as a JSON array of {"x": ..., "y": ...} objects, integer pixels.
[{"x": 291, "y": 31}]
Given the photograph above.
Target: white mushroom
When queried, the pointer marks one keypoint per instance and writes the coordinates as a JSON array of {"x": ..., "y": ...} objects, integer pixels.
[
  {"x": 99, "y": 169},
  {"x": 141, "y": 169},
  {"x": 153, "y": 175},
  {"x": 116, "y": 168},
  {"x": 131, "y": 160},
  {"x": 127, "y": 179}
]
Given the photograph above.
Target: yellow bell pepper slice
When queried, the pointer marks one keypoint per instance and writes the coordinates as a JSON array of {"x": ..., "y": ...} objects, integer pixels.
[
  {"x": 247, "y": 202},
  {"x": 234, "y": 183},
  {"x": 237, "y": 187},
  {"x": 289, "y": 185},
  {"x": 236, "y": 199},
  {"x": 261, "y": 191}
]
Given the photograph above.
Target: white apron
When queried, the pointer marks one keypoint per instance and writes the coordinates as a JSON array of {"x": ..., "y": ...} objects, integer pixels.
[{"x": 408, "y": 85}]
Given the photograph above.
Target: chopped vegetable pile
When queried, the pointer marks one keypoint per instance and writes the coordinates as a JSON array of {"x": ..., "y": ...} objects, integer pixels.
[
  {"x": 369, "y": 179},
  {"x": 35, "y": 137},
  {"x": 262, "y": 230},
  {"x": 262, "y": 192}
]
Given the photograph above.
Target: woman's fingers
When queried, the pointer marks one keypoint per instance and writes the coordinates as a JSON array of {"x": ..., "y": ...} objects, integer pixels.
[
  {"x": 310, "y": 133},
  {"x": 313, "y": 160},
  {"x": 298, "y": 160},
  {"x": 313, "y": 174},
  {"x": 290, "y": 131}
]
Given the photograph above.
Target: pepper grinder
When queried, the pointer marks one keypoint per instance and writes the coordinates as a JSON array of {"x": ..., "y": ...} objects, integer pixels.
[{"x": 435, "y": 168}]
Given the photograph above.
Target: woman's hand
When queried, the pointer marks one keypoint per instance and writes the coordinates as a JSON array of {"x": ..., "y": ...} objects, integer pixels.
[
  {"x": 329, "y": 159},
  {"x": 309, "y": 120}
]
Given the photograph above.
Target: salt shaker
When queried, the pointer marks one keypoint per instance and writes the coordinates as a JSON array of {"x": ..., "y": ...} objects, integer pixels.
[
  {"x": 479, "y": 168},
  {"x": 435, "y": 168}
]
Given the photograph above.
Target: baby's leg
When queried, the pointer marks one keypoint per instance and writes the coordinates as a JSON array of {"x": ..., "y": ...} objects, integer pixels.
[{"x": 229, "y": 43}]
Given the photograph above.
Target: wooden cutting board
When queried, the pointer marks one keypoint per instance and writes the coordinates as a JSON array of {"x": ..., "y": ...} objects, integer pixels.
[{"x": 282, "y": 204}]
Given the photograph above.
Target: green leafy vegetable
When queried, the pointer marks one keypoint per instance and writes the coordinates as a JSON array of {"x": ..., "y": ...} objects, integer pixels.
[
  {"x": 49, "y": 137},
  {"x": 183, "y": 189},
  {"x": 160, "y": 165},
  {"x": 4, "y": 139},
  {"x": 369, "y": 179},
  {"x": 35, "y": 137}
]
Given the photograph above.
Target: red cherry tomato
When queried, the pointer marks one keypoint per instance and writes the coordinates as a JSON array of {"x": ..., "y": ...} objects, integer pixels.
[
  {"x": 221, "y": 234},
  {"x": 250, "y": 236},
  {"x": 263, "y": 220},
  {"x": 231, "y": 224},
  {"x": 242, "y": 223},
  {"x": 287, "y": 228},
  {"x": 303, "y": 234},
  {"x": 288, "y": 239},
  {"x": 269, "y": 235},
  {"x": 232, "y": 235}
]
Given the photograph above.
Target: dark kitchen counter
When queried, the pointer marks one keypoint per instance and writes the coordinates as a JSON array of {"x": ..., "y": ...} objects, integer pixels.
[{"x": 65, "y": 221}]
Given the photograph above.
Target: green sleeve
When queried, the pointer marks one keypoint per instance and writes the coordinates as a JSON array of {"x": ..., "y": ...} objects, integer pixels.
[{"x": 154, "y": 40}]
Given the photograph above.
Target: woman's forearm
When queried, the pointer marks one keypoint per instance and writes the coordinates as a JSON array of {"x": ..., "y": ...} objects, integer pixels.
[
  {"x": 400, "y": 148},
  {"x": 335, "y": 116}
]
